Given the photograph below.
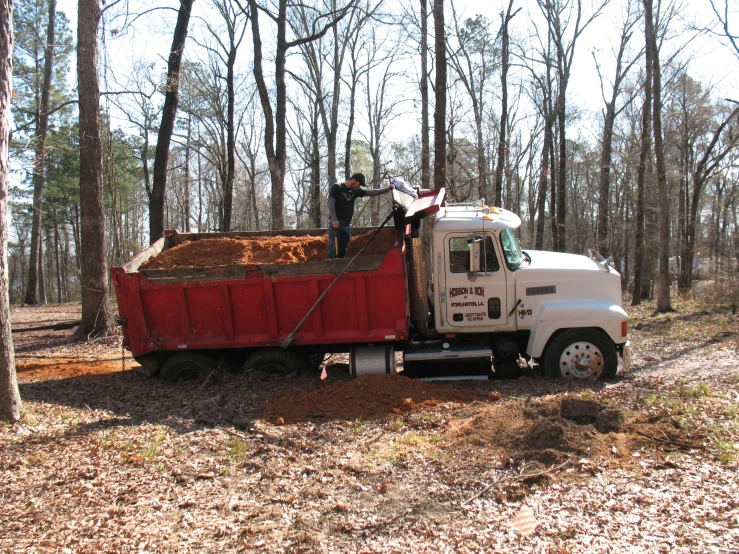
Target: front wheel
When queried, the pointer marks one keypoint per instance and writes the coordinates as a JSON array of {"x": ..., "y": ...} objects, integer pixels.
[{"x": 581, "y": 354}]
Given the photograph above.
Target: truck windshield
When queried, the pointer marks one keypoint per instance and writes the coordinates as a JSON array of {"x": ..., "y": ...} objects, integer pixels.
[{"x": 511, "y": 249}]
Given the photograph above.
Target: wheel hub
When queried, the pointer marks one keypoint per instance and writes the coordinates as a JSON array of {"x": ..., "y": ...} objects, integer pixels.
[{"x": 581, "y": 360}]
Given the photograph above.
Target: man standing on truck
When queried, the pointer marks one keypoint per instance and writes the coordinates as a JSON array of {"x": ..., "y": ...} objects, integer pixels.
[{"x": 341, "y": 210}]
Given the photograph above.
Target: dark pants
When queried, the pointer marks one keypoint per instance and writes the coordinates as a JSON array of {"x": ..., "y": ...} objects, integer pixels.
[{"x": 344, "y": 233}]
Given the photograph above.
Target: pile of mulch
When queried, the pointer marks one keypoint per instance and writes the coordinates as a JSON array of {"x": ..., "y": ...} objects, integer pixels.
[
  {"x": 552, "y": 429},
  {"x": 280, "y": 249},
  {"x": 367, "y": 397}
]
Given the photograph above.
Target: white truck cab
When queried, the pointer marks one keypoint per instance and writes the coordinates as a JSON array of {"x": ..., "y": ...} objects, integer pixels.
[{"x": 562, "y": 311}]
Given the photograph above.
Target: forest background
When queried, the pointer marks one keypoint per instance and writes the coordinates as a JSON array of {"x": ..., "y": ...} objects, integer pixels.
[{"x": 549, "y": 111}]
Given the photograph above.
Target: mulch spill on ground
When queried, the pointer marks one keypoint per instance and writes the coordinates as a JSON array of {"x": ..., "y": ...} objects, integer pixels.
[
  {"x": 368, "y": 397},
  {"x": 208, "y": 252},
  {"x": 60, "y": 368}
]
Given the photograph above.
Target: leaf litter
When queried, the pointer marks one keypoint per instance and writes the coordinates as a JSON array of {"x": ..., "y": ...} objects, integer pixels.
[{"x": 105, "y": 459}]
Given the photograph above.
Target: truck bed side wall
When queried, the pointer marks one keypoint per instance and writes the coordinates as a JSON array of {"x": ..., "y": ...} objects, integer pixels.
[{"x": 363, "y": 306}]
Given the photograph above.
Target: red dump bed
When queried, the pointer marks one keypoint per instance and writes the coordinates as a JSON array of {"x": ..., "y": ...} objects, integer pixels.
[{"x": 250, "y": 306}]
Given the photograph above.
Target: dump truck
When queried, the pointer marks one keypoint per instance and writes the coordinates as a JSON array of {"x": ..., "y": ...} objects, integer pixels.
[{"x": 470, "y": 297}]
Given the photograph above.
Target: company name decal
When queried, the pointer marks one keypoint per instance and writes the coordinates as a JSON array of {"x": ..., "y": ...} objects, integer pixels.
[{"x": 472, "y": 291}]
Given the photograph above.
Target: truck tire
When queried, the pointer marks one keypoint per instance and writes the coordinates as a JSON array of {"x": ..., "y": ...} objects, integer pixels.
[
  {"x": 581, "y": 354},
  {"x": 187, "y": 366},
  {"x": 276, "y": 360}
]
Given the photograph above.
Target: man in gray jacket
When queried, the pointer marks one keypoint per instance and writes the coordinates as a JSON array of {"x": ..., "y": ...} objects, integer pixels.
[{"x": 341, "y": 210}]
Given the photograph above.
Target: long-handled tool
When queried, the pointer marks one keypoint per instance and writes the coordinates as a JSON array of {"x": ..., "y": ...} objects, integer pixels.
[
  {"x": 287, "y": 341},
  {"x": 336, "y": 244}
]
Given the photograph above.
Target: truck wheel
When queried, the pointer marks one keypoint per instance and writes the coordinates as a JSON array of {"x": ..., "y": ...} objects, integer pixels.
[
  {"x": 581, "y": 354},
  {"x": 276, "y": 361},
  {"x": 186, "y": 366}
]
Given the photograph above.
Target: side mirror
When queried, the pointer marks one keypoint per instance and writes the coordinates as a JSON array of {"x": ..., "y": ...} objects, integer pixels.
[{"x": 474, "y": 243}]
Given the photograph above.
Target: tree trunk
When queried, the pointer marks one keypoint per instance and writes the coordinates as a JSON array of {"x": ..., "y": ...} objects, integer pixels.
[
  {"x": 350, "y": 127},
  {"x": 502, "y": 142},
  {"x": 10, "y": 398},
  {"x": 169, "y": 115},
  {"x": 273, "y": 129},
  {"x": 41, "y": 270},
  {"x": 425, "y": 152},
  {"x": 228, "y": 192},
  {"x": 440, "y": 108},
  {"x": 42, "y": 125},
  {"x": 57, "y": 259},
  {"x": 542, "y": 192},
  {"x": 553, "y": 206},
  {"x": 315, "y": 173},
  {"x": 663, "y": 294},
  {"x": 94, "y": 275},
  {"x": 605, "y": 176},
  {"x": 645, "y": 143},
  {"x": 561, "y": 216},
  {"x": 188, "y": 156}
]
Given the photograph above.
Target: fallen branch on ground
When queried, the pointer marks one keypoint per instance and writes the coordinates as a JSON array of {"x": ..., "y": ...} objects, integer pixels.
[{"x": 513, "y": 478}]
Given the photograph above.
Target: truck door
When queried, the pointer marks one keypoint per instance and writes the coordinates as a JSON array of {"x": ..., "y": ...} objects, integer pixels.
[{"x": 475, "y": 282}]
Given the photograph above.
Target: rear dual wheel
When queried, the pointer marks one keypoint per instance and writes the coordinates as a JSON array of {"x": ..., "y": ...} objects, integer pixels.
[
  {"x": 581, "y": 354},
  {"x": 187, "y": 366},
  {"x": 277, "y": 361}
]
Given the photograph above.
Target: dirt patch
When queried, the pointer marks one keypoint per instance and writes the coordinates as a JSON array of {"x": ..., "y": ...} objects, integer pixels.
[
  {"x": 208, "y": 252},
  {"x": 549, "y": 431},
  {"x": 60, "y": 368},
  {"x": 368, "y": 397}
]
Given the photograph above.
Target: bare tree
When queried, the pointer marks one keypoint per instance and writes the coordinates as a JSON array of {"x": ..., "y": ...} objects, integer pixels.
[
  {"x": 472, "y": 60},
  {"x": 316, "y": 53},
  {"x": 644, "y": 149},
  {"x": 609, "y": 119},
  {"x": 357, "y": 69},
  {"x": 713, "y": 154},
  {"x": 503, "y": 127},
  {"x": 251, "y": 138},
  {"x": 169, "y": 114},
  {"x": 722, "y": 11},
  {"x": 10, "y": 398},
  {"x": 226, "y": 52},
  {"x": 42, "y": 125},
  {"x": 304, "y": 137},
  {"x": 275, "y": 137},
  {"x": 96, "y": 316},
  {"x": 424, "y": 84},
  {"x": 559, "y": 24},
  {"x": 663, "y": 294},
  {"x": 440, "y": 54},
  {"x": 543, "y": 95},
  {"x": 381, "y": 107}
]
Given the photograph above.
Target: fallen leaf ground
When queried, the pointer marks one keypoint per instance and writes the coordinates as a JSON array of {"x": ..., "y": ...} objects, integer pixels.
[{"x": 105, "y": 459}]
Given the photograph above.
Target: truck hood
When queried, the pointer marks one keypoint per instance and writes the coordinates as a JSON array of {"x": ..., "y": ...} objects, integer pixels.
[{"x": 567, "y": 276}]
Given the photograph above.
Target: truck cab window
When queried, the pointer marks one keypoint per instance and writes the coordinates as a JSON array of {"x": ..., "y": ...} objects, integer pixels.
[
  {"x": 487, "y": 254},
  {"x": 459, "y": 255},
  {"x": 511, "y": 249}
]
